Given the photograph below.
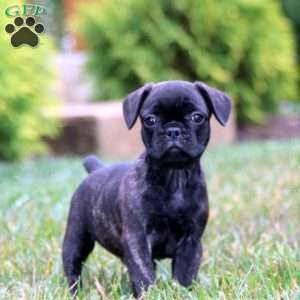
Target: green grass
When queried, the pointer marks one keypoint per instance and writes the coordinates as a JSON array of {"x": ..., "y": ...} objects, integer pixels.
[{"x": 251, "y": 245}]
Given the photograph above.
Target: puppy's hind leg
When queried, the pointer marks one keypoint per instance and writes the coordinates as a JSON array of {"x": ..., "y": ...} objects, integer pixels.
[{"x": 77, "y": 246}]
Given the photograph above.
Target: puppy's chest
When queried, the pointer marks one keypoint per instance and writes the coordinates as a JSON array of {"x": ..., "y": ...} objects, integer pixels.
[
  {"x": 170, "y": 208},
  {"x": 173, "y": 196},
  {"x": 169, "y": 217}
]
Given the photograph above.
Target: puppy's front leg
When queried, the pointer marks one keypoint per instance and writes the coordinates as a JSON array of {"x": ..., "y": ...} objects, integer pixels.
[
  {"x": 138, "y": 259},
  {"x": 186, "y": 262}
]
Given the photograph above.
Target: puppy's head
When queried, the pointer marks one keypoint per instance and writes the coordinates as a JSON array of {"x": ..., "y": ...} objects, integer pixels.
[{"x": 175, "y": 117}]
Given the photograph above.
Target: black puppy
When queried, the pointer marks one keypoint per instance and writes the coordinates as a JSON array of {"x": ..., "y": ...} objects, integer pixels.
[{"x": 156, "y": 207}]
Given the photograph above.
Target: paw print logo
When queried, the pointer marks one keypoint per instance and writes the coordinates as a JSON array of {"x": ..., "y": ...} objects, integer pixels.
[{"x": 24, "y": 32}]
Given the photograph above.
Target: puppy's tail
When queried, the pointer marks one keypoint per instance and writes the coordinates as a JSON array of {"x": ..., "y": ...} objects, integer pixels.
[{"x": 92, "y": 163}]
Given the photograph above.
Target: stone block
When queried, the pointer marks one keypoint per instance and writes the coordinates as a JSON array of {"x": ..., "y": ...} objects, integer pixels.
[{"x": 100, "y": 128}]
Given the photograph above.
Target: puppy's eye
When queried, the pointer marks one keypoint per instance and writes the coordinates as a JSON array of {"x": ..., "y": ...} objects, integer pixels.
[
  {"x": 150, "y": 120},
  {"x": 197, "y": 118}
]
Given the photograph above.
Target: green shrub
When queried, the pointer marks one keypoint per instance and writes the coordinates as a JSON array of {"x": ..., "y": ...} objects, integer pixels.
[
  {"x": 24, "y": 95},
  {"x": 292, "y": 9},
  {"x": 244, "y": 47}
]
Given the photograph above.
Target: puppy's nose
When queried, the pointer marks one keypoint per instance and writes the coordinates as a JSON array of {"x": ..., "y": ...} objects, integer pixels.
[{"x": 173, "y": 132}]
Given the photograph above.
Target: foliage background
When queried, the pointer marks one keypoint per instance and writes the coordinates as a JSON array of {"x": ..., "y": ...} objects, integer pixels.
[
  {"x": 244, "y": 47},
  {"x": 25, "y": 96},
  {"x": 292, "y": 9}
]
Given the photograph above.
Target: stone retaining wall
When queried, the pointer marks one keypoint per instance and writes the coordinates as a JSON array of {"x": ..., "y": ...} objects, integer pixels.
[{"x": 100, "y": 128}]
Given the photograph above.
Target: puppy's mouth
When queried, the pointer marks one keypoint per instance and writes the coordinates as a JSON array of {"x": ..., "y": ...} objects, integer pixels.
[
  {"x": 174, "y": 149},
  {"x": 175, "y": 153}
]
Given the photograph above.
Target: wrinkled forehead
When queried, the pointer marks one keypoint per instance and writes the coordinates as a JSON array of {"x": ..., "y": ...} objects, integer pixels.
[{"x": 182, "y": 98}]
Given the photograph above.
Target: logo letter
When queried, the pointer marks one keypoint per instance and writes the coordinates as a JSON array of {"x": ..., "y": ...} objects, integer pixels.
[
  {"x": 12, "y": 11},
  {"x": 40, "y": 11},
  {"x": 28, "y": 9}
]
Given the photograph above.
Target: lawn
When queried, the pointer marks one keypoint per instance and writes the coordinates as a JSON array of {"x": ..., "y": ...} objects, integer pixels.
[{"x": 251, "y": 245}]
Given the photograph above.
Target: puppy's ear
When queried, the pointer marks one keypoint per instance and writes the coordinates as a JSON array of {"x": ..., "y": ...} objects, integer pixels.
[
  {"x": 218, "y": 102},
  {"x": 133, "y": 103}
]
